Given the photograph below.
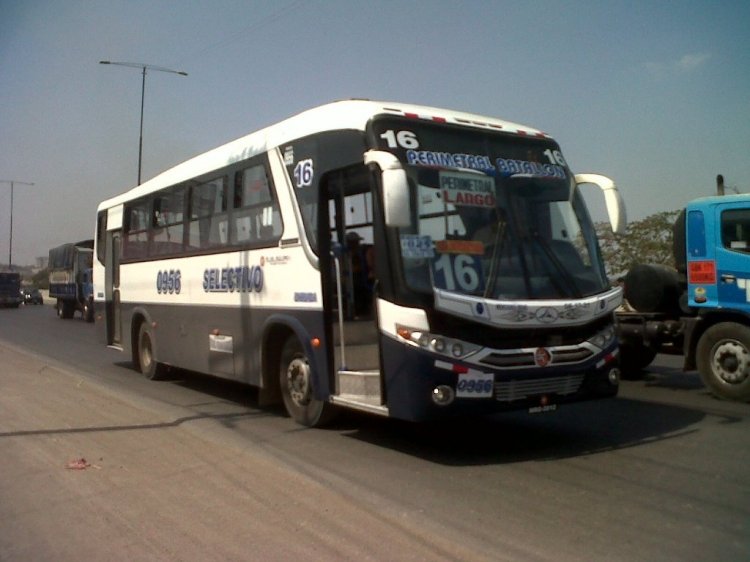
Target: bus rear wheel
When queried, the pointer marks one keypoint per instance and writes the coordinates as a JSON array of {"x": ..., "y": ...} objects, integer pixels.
[
  {"x": 88, "y": 311},
  {"x": 147, "y": 364},
  {"x": 295, "y": 379}
]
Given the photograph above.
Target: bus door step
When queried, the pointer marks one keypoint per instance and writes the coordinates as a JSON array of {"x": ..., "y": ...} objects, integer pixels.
[
  {"x": 359, "y": 386},
  {"x": 357, "y": 403},
  {"x": 360, "y": 390}
]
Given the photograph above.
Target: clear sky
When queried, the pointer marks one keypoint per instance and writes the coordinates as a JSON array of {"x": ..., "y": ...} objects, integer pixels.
[{"x": 654, "y": 94}]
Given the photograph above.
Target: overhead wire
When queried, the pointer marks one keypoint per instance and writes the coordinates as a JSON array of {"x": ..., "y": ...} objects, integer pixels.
[{"x": 272, "y": 17}]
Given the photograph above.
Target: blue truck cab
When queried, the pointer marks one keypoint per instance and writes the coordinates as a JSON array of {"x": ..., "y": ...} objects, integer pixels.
[
  {"x": 716, "y": 264},
  {"x": 718, "y": 253},
  {"x": 702, "y": 309}
]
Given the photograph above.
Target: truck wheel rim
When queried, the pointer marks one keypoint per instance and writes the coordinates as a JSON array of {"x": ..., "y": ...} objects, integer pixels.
[
  {"x": 731, "y": 362},
  {"x": 298, "y": 380}
]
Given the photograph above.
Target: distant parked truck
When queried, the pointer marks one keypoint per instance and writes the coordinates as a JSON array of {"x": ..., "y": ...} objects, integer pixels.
[
  {"x": 70, "y": 282},
  {"x": 10, "y": 289}
]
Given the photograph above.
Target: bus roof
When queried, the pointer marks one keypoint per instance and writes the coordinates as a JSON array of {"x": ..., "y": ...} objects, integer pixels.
[{"x": 340, "y": 115}]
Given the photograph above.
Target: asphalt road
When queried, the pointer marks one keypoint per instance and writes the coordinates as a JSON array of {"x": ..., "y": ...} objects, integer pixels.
[{"x": 192, "y": 469}]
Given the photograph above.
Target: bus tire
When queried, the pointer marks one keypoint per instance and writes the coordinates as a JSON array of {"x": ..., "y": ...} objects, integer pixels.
[
  {"x": 723, "y": 360},
  {"x": 147, "y": 364},
  {"x": 295, "y": 380}
]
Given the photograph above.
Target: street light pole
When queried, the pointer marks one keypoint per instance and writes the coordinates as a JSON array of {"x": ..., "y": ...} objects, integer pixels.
[
  {"x": 143, "y": 68},
  {"x": 10, "y": 243}
]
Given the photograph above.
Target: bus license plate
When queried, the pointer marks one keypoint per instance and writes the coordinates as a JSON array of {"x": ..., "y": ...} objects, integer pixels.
[
  {"x": 475, "y": 384},
  {"x": 543, "y": 409}
]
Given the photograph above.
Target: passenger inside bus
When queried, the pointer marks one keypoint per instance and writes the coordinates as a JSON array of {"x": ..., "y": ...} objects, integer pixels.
[{"x": 362, "y": 274}]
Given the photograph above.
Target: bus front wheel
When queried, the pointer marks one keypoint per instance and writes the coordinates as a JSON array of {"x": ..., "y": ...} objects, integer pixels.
[
  {"x": 295, "y": 379},
  {"x": 150, "y": 368}
]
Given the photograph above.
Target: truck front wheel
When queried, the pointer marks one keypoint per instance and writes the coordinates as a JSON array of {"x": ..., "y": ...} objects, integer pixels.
[
  {"x": 723, "y": 358},
  {"x": 634, "y": 358}
]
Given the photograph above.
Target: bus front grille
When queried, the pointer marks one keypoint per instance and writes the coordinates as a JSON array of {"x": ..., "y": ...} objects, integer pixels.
[
  {"x": 507, "y": 391},
  {"x": 525, "y": 357}
]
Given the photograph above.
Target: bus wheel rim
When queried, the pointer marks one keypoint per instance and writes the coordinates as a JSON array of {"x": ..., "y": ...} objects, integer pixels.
[
  {"x": 146, "y": 351},
  {"x": 298, "y": 379}
]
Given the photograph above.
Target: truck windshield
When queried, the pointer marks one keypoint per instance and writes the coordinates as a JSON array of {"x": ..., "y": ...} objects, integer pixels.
[{"x": 498, "y": 217}]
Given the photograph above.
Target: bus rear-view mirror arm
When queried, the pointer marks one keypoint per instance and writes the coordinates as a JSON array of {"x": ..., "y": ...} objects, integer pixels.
[
  {"x": 395, "y": 187},
  {"x": 612, "y": 199}
]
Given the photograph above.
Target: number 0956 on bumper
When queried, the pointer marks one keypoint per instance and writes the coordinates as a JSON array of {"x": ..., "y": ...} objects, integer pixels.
[{"x": 475, "y": 384}]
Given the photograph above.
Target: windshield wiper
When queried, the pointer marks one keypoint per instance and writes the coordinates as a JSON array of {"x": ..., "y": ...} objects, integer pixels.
[
  {"x": 497, "y": 254},
  {"x": 559, "y": 266}
]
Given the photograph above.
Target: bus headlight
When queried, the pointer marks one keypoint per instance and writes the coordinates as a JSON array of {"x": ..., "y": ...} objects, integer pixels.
[
  {"x": 604, "y": 338},
  {"x": 441, "y": 345}
]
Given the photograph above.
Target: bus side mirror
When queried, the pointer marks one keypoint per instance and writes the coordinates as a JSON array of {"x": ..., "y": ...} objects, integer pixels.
[
  {"x": 612, "y": 199},
  {"x": 395, "y": 187}
]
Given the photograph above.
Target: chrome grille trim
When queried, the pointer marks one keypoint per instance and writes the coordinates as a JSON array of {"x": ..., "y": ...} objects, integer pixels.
[
  {"x": 571, "y": 355},
  {"x": 520, "y": 358}
]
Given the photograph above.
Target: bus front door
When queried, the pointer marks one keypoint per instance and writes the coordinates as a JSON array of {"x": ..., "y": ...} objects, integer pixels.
[
  {"x": 351, "y": 286},
  {"x": 112, "y": 294}
]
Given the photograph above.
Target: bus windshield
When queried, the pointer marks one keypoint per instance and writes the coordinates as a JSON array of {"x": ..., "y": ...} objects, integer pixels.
[{"x": 497, "y": 217}]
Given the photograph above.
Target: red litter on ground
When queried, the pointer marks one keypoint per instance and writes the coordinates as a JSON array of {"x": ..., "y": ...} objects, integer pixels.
[{"x": 78, "y": 464}]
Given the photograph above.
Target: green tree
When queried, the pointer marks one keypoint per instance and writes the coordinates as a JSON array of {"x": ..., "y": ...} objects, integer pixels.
[{"x": 645, "y": 241}]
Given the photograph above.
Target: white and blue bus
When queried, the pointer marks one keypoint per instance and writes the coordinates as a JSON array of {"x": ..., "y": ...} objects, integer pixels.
[{"x": 402, "y": 260}]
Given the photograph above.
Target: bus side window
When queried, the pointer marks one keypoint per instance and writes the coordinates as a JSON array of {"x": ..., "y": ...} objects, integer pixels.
[
  {"x": 168, "y": 222},
  {"x": 270, "y": 224},
  {"x": 256, "y": 218},
  {"x": 136, "y": 229},
  {"x": 208, "y": 215}
]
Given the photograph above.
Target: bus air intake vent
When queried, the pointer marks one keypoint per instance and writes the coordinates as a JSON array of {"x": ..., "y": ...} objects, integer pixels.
[{"x": 507, "y": 391}]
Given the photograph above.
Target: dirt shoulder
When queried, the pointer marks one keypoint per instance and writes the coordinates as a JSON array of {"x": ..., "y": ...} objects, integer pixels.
[{"x": 87, "y": 474}]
